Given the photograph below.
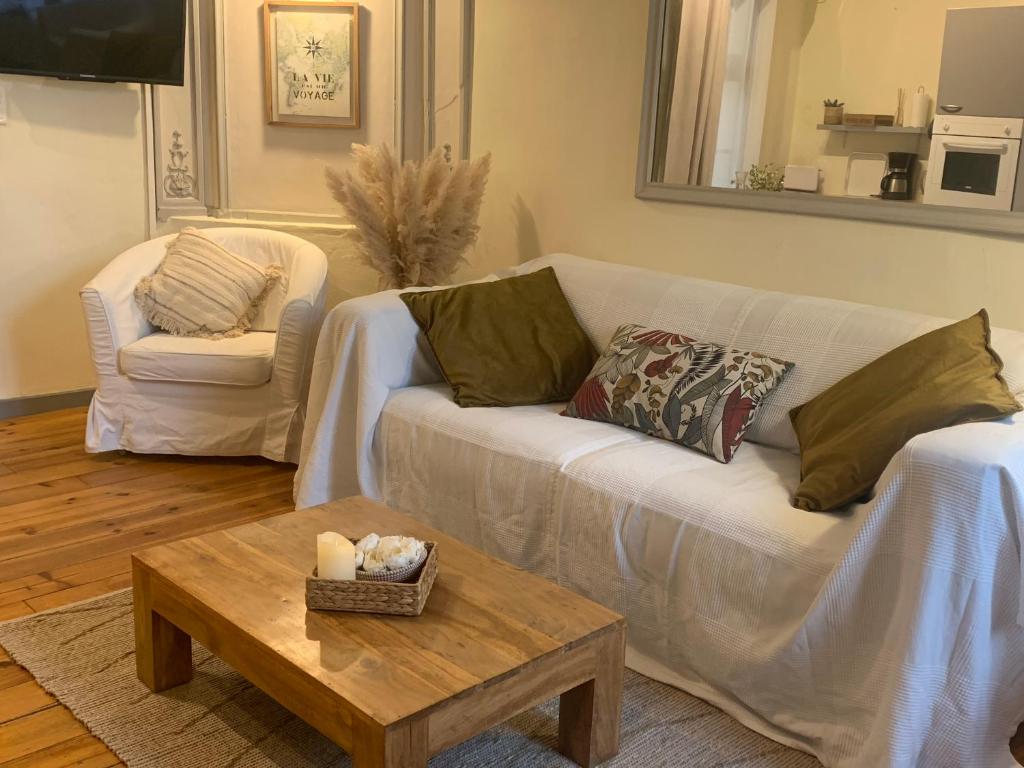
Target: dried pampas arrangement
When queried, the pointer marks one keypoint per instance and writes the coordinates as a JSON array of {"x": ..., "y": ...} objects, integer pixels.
[{"x": 414, "y": 221}]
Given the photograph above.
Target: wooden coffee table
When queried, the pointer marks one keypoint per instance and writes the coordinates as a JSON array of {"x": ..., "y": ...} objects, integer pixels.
[{"x": 492, "y": 641}]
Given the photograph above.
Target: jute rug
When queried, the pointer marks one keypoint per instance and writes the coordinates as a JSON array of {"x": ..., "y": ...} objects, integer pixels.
[{"x": 84, "y": 655}]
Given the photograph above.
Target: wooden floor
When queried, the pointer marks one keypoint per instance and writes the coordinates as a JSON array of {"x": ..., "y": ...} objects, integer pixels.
[{"x": 68, "y": 522}]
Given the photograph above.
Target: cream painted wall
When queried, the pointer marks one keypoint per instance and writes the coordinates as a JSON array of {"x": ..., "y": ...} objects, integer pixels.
[
  {"x": 557, "y": 92},
  {"x": 72, "y": 196},
  {"x": 281, "y": 168}
]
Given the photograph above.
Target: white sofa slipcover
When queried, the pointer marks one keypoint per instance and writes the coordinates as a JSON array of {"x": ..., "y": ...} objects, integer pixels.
[
  {"x": 886, "y": 635},
  {"x": 158, "y": 393}
]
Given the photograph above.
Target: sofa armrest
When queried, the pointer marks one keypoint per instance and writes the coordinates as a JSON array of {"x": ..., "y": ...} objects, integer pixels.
[
  {"x": 368, "y": 347},
  {"x": 967, "y": 463},
  {"x": 113, "y": 319},
  {"x": 953, "y": 500}
]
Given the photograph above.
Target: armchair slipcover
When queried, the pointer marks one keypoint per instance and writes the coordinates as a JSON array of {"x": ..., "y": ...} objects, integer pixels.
[{"x": 235, "y": 397}]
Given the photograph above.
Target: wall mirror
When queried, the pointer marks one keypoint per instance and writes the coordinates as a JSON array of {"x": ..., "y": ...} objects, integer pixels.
[{"x": 906, "y": 112}]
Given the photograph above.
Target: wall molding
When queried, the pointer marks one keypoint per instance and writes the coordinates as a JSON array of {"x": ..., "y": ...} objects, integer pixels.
[
  {"x": 186, "y": 130},
  {"x": 15, "y": 407},
  {"x": 468, "y": 53},
  {"x": 149, "y": 157},
  {"x": 465, "y": 11},
  {"x": 178, "y": 178},
  {"x": 293, "y": 223},
  {"x": 196, "y": 117}
]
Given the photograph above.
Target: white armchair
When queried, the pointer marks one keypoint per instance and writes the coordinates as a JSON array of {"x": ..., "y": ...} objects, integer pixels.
[{"x": 158, "y": 393}]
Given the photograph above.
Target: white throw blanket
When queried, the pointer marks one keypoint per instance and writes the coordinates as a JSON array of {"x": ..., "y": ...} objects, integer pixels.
[{"x": 907, "y": 650}]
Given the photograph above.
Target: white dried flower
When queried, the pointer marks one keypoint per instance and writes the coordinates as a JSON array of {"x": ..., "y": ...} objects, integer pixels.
[
  {"x": 368, "y": 542},
  {"x": 399, "y": 551},
  {"x": 373, "y": 562},
  {"x": 375, "y": 553}
]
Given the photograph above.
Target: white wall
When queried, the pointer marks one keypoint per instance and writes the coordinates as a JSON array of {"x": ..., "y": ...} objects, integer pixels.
[
  {"x": 72, "y": 196},
  {"x": 557, "y": 92}
]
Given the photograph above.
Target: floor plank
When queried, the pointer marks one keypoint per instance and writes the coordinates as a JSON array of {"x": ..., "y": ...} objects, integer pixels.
[
  {"x": 23, "y": 699},
  {"x": 20, "y": 738},
  {"x": 78, "y": 752},
  {"x": 7, "y": 587},
  {"x": 44, "y": 490},
  {"x": 41, "y": 587},
  {"x": 12, "y": 675},
  {"x": 14, "y": 611},
  {"x": 80, "y": 592},
  {"x": 68, "y": 524}
]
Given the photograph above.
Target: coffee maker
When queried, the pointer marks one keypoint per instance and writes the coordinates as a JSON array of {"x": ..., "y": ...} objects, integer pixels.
[{"x": 898, "y": 182}]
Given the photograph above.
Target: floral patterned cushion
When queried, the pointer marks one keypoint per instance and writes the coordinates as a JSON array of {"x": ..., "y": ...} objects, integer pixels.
[{"x": 703, "y": 396}]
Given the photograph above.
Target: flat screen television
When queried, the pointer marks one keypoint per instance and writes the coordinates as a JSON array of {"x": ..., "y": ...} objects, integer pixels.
[{"x": 134, "y": 41}]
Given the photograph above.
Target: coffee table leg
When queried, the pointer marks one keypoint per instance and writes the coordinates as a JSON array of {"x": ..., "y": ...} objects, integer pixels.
[
  {"x": 403, "y": 745},
  {"x": 589, "y": 715},
  {"x": 163, "y": 653}
]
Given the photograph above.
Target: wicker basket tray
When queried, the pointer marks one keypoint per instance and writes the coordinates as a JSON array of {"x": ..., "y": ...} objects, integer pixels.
[{"x": 368, "y": 596}]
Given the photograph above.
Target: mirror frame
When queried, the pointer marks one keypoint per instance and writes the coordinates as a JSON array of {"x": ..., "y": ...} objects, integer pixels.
[{"x": 919, "y": 215}]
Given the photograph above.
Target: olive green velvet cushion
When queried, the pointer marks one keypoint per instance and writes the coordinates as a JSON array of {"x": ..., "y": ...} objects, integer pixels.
[
  {"x": 507, "y": 342},
  {"x": 849, "y": 432}
]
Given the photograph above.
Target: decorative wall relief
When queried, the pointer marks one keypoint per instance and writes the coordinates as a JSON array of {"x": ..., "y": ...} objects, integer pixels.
[
  {"x": 178, "y": 182},
  {"x": 312, "y": 63}
]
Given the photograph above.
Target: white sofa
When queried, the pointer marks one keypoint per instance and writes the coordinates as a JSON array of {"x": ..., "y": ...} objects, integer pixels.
[
  {"x": 889, "y": 634},
  {"x": 158, "y": 393}
]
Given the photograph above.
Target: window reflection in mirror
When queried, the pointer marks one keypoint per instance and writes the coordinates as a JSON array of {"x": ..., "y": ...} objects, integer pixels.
[{"x": 902, "y": 101}]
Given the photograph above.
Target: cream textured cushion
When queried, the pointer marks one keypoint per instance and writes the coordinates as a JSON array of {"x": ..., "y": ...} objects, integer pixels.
[
  {"x": 202, "y": 289},
  {"x": 244, "y": 361}
]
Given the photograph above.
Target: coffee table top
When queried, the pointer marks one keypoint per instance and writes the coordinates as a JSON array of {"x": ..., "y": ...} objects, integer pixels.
[{"x": 484, "y": 618}]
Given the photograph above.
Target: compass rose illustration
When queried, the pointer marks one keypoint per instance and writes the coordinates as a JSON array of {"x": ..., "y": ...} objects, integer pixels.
[{"x": 314, "y": 47}]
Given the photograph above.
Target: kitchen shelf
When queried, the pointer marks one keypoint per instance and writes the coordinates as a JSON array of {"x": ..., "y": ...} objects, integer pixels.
[{"x": 871, "y": 129}]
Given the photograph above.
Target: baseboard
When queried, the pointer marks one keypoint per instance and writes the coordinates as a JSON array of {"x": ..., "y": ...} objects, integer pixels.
[{"x": 26, "y": 406}]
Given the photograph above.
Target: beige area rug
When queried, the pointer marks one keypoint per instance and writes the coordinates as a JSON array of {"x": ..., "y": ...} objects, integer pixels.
[{"x": 84, "y": 655}]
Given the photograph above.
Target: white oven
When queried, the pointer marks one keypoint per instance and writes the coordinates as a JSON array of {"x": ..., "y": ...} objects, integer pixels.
[{"x": 973, "y": 162}]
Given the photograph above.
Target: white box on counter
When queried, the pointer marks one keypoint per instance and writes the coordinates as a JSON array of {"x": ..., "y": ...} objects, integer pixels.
[{"x": 801, "y": 178}]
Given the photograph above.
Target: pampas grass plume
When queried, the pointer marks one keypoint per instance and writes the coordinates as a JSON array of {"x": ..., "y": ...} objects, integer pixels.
[{"x": 415, "y": 221}]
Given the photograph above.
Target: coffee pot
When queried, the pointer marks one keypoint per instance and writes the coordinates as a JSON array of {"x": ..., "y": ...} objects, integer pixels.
[{"x": 898, "y": 182}]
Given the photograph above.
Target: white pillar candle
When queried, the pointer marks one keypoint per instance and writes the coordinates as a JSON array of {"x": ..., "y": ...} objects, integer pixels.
[{"x": 335, "y": 557}]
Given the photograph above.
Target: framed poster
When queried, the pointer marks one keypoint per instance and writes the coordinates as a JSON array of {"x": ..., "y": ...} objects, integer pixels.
[{"x": 312, "y": 63}]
